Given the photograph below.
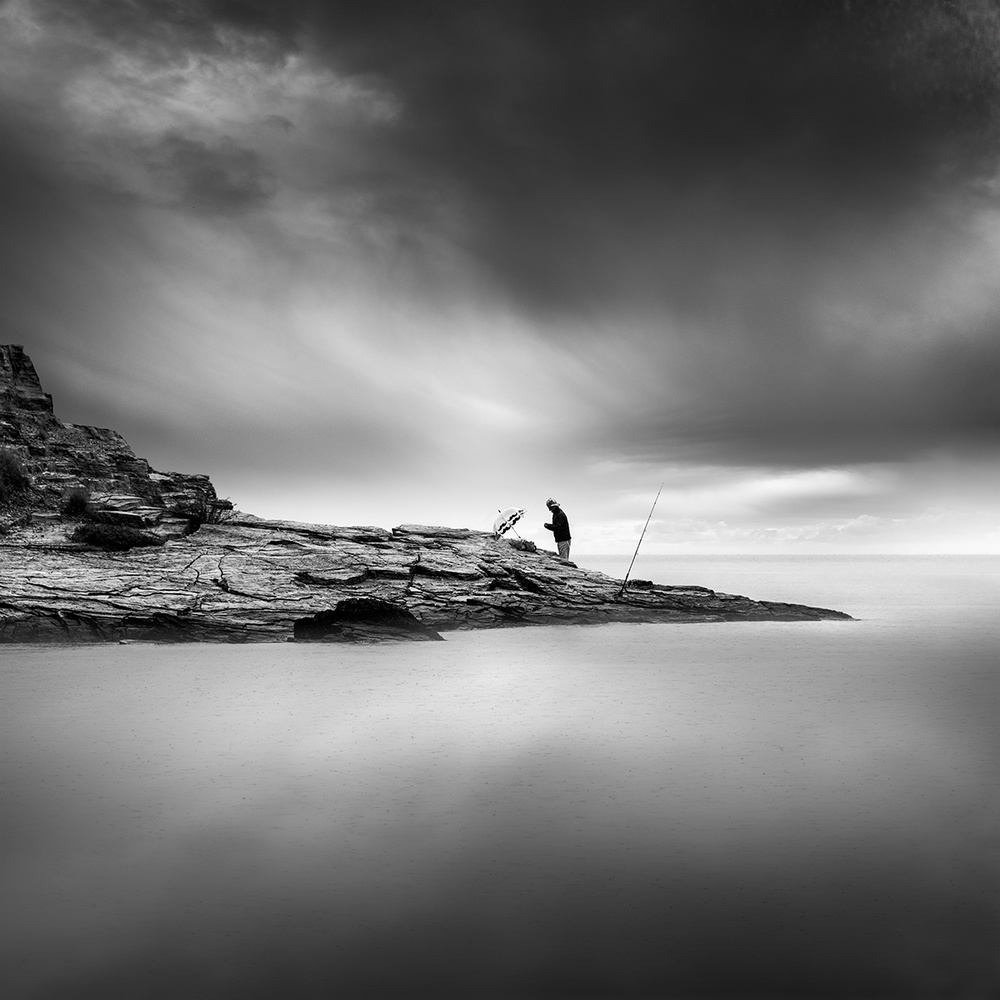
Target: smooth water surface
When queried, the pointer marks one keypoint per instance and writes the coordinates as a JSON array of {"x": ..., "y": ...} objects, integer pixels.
[{"x": 787, "y": 809}]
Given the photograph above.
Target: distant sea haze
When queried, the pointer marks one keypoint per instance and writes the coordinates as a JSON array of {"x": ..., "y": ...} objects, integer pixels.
[{"x": 680, "y": 810}]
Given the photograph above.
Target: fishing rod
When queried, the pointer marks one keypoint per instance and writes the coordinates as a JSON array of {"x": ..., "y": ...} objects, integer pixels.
[{"x": 643, "y": 535}]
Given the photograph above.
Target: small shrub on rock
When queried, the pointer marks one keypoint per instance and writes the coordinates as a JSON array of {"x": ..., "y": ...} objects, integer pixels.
[
  {"x": 114, "y": 537},
  {"x": 206, "y": 511},
  {"x": 13, "y": 479},
  {"x": 76, "y": 503}
]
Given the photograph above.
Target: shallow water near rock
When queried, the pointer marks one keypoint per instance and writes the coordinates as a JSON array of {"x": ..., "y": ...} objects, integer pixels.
[{"x": 675, "y": 810}]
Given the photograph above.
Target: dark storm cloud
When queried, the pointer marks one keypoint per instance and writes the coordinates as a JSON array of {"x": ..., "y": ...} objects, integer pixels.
[
  {"x": 719, "y": 166},
  {"x": 169, "y": 27},
  {"x": 221, "y": 177},
  {"x": 704, "y": 184},
  {"x": 603, "y": 153},
  {"x": 608, "y": 152},
  {"x": 828, "y": 405}
]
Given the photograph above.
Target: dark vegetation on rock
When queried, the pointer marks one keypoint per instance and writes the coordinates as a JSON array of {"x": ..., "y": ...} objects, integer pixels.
[
  {"x": 114, "y": 537},
  {"x": 97, "y": 546},
  {"x": 14, "y": 482},
  {"x": 204, "y": 510},
  {"x": 76, "y": 503}
]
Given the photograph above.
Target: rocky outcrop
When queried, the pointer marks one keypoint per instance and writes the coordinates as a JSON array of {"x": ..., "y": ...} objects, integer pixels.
[
  {"x": 245, "y": 579},
  {"x": 251, "y": 579},
  {"x": 60, "y": 457}
]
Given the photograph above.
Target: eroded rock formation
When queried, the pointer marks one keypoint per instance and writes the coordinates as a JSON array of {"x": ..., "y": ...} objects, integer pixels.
[
  {"x": 60, "y": 457},
  {"x": 362, "y": 619}
]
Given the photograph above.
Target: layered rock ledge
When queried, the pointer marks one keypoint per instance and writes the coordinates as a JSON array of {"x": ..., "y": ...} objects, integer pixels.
[{"x": 255, "y": 580}]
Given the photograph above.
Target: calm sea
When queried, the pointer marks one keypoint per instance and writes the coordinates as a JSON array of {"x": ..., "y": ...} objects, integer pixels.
[{"x": 704, "y": 810}]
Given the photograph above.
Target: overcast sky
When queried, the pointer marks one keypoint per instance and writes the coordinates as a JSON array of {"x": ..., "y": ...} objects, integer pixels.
[{"x": 413, "y": 262}]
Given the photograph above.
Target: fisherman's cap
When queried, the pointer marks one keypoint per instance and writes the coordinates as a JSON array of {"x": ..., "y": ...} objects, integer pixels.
[{"x": 551, "y": 503}]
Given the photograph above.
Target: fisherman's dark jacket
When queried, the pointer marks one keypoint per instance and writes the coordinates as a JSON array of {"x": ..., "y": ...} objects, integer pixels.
[{"x": 560, "y": 525}]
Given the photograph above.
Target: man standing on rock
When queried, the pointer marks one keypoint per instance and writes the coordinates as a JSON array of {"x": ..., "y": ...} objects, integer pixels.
[{"x": 559, "y": 526}]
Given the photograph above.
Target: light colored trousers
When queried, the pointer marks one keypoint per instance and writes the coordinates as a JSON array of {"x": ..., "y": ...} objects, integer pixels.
[{"x": 563, "y": 550}]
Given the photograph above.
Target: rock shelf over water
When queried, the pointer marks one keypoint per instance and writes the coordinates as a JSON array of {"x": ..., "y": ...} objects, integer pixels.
[
  {"x": 253, "y": 580},
  {"x": 247, "y": 579}
]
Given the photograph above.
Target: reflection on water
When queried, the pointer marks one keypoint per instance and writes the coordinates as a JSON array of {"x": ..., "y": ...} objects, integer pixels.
[{"x": 773, "y": 810}]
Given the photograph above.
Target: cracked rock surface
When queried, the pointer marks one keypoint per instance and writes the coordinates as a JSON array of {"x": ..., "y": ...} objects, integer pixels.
[{"x": 252, "y": 580}]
